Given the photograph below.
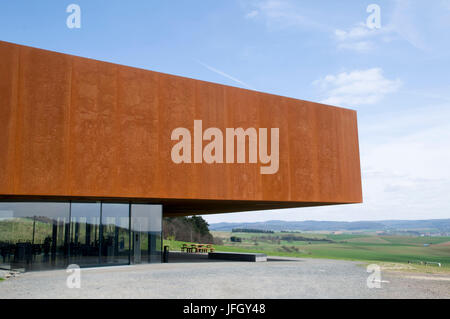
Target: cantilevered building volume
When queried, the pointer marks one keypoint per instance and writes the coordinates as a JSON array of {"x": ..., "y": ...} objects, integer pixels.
[{"x": 94, "y": 154}]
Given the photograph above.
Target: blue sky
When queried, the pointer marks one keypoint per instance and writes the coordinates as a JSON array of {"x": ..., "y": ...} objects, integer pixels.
[{"x": 396, "y": 77}]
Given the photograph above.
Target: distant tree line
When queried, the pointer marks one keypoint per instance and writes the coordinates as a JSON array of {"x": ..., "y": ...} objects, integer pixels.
[
  {"x": 191, "y": 229},
  {"x": 278, "y": 239},
  {"x": 301, "y": 238},
  {"x": 235, "y": 239},
  {"x": 251, "y": 230}
]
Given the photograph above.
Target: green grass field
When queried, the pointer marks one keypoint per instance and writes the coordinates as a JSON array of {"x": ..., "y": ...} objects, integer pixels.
[{"x": 370, "y": 248}]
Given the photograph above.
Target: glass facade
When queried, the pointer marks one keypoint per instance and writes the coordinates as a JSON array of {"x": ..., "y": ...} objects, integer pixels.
[
  {"x": 46, "y": 235},
  {"x": 146, "y": 223},
  {"x": 85, "y": 233},
  {"x": 115, "y": 234}
]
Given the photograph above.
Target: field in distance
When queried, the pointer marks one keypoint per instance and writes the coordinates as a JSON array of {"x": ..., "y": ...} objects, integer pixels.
[{"x": 362, "y": 247}]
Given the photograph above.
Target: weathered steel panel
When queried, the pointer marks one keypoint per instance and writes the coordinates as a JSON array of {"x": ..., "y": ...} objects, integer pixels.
[{"x": 76, "y": 127}]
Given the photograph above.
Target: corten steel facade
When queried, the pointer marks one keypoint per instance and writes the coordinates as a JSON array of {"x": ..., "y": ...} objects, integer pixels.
[{"x": 76, "y": 129}]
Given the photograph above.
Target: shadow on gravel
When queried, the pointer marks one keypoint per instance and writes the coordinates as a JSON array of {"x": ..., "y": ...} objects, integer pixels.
[{"x": 284, "y": 259}]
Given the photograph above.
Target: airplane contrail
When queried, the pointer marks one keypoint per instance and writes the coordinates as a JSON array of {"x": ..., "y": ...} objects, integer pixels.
[{"x": 225, "y": 75}]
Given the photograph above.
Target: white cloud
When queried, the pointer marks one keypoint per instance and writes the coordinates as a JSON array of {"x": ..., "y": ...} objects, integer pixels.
[
  {"x": 418, "y": 156},
  {"x": 416, "y": 22},
  {"x": 252, "y": 14},
  {"x": 359, "y": 46},
  {"x": 358, "y": 87},
  {"x": 408, "y": 175},
  {"x": 281, "y": 14},
  {"x": 362, "y": 39},
  {"x": 357, "y": 32},
  {"x": 406, "y": 18}
]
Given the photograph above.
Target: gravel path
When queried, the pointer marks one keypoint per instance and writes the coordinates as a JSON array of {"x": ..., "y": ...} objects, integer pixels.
[{"x": 299, "y": 278}]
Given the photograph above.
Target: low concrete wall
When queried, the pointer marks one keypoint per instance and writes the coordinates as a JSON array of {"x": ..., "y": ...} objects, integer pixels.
[{"x": 254, "y": 257}]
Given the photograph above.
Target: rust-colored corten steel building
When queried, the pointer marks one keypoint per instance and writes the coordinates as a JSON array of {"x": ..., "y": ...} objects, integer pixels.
[{"x": 86, "y": 165}]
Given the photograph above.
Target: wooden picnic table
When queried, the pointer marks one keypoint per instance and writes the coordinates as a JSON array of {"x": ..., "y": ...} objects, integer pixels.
[{"x": 201, "y": 248}]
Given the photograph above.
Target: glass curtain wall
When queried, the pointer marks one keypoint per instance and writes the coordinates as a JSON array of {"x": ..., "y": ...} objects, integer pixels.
[
  {"x": 115, "y": 234},
  {"x": 46, "y": 235},
  {"x": 34, "y": 236},
  {"x": 85, "y": 234},
  {"x": 146, "y": 223}
]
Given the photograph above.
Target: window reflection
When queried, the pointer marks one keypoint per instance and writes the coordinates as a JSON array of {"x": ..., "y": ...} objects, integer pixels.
[
  {"x": 115, "y": 233},
  {"x": 85, "y": 234},
  {"x": 45, "y": 235},
  {"x": 146, "y": 223},
  {"x": 33, "y": 235}
]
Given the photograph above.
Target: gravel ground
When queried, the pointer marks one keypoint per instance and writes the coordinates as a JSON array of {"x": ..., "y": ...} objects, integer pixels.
[{"x": 280, "y": 278}]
